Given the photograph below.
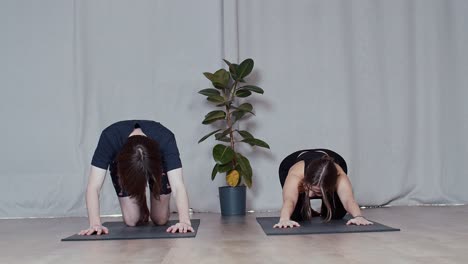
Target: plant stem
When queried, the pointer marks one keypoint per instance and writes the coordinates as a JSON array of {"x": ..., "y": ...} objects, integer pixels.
[{"x": 229, "y": 121}]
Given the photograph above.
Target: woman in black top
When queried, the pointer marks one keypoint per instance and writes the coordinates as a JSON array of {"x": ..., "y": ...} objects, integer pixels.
[
  {"x": 316, "y": 174},
  {"x": 137, "y": 153}
]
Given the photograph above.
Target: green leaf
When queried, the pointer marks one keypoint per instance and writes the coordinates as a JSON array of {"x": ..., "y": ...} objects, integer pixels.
[
  {"x": 223, "y": 134},
  {"x": 243, "y": 93},
  {"x": 225, "y": 168},
  {"x": 245, "y": 134},
  {"x": 238, "y": 114},
  {"x": 209, "y": 76},
  {"x": 225, "y": 103},
  {"x": 209, "y": 92},
  {"x": 225, "y": 139},
  {"x": 246, "y": 107},
  {"x": 245, "y": 68},
  {"x": 221, "y": 78},
  {"x": 227, "y": 62},
  {"x": 215, "y": 99},
  {"x": 256, "y": 142},
  {"x": 253, "y": 88},
  {"x": 213, "y": 116},
  {"x": 246, "y": 169},
  {"x": 232, "y": 68},
  {"x": 241, "y": 111},
  {"x": 214, "y": 172},
  {"x": 208, "y": 135},
  {"x": 239, "y": 169},
  {"x": 222, "y": 154},
  {"x": 216, "y": 113}
]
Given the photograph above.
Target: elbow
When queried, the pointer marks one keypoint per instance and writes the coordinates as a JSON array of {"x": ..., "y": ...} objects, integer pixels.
[
  {"x": 92, "y": 190},
  {"x": 174, "y": 192},
  {"x": 177, "y": 189}
]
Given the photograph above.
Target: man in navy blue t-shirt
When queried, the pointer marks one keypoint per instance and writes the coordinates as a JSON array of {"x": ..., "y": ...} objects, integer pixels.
[{"x": 138, "y": 152}]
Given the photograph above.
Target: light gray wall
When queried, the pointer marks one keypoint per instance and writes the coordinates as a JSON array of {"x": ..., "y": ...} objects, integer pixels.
[{"x": 383, "y": 83}]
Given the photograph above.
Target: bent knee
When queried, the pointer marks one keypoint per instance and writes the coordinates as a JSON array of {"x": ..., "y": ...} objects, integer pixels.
[
  {"x": 131, "y": 221},
  {"x": 160, "y": 220}
]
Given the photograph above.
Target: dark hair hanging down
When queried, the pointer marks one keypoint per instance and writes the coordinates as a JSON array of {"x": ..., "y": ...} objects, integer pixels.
[
  {"x": 321, "y": 173},
  {"x": 138, "y": 162}
]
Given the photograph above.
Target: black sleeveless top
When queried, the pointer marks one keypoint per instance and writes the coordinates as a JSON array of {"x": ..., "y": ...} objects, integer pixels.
[{"x": 308, "y": 155}]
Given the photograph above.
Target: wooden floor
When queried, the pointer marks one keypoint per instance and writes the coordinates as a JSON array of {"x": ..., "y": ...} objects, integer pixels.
[{"x": 428, "y": 235}]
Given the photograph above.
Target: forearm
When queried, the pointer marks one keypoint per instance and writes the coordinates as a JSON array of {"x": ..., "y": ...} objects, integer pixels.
[
  {"x": 287, "y": 210},
  {"x": 352, "y": 208},
  {"x": 92, "y": 203},
  {"x": 182, "y": 205}
]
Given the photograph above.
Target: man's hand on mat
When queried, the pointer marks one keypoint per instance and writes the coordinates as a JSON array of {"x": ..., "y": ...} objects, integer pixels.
[
  {"x": 180, "y": 227},
  {"x": 98, "y": 229},
  {"x": 359, "y": 220},
  {"x": 286, "y": 224}
]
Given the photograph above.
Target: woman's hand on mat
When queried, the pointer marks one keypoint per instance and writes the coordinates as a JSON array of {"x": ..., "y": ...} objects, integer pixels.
[
  {"x": 180, "y": 227},
  {"x": 98, "y": 229},
  {"x": 286, "y": 224},
  {"x": 359, "y": 220}
]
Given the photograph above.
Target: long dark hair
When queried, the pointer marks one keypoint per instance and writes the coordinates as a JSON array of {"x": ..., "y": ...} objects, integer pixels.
[
  {"x": 138, "y": 162},
  {"x": 321, "y": 173}
]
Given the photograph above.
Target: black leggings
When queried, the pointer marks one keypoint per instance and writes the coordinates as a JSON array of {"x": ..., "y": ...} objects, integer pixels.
[{"x": 338, "y": 210}]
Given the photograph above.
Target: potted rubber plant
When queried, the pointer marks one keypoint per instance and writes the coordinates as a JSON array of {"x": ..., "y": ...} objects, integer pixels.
[{"x": 228, "y": 97}]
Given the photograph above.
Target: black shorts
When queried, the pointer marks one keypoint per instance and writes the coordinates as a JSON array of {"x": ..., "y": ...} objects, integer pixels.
[
  {"x": 165, "y": 186},
  {"x": 338, "y": 210}
]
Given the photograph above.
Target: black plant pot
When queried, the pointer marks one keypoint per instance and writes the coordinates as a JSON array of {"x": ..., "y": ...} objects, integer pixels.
[{"x": 232, "y": 200}]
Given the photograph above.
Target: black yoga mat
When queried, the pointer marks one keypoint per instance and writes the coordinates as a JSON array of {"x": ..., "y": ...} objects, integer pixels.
[
  {"x": 119, "y": 231},
  {"x": 318, "y": 226}
]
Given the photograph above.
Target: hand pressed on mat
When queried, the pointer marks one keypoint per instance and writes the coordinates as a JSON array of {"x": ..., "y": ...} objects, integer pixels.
[
  {"x": 286, "y": 224},
  {"x": 180, "y": 227},
  {"x": 95, "y": 229},
  {"x": 359, "y": 220}
]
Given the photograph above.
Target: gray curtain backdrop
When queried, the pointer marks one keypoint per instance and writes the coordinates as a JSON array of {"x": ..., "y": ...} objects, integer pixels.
[{"x": 384, "y": 83}]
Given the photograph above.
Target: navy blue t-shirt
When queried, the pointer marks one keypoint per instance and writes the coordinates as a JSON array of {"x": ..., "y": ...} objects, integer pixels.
[{"x": 114, "y": 137}]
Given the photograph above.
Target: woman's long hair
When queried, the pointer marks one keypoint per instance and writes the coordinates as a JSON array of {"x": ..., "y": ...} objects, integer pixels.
[
  {"x": 138, "y": 162},
  {"x": 321, "y": 173}
]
